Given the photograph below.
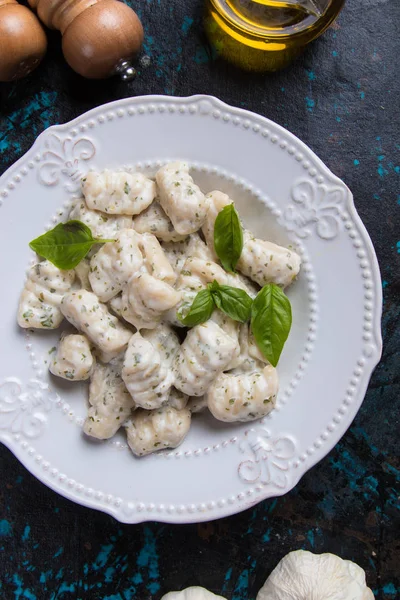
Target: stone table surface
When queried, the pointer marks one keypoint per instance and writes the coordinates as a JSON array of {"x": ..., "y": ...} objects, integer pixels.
[{"x": 342, "y": 99}]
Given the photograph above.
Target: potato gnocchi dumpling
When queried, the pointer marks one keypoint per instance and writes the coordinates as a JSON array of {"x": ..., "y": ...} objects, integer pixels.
[
  {"x": 154, "y": 258},
  {"x": 114, "y": 264},
  {"x": 39, "y": 304},
  {"x": 147, "y": 373},
  {"x": 110, "y": 402},
  {"x": 145, "y": 299},
  {"x": 192, "y": 247},
  {"x": 154, "y": 220},
  {"x": 194, "y": 276},
  {"x": 243, "y": 396},
  {"x": 217, "y": 201},
  {"x": 206, "y": 351},
  {"x": 102, "y": 226},
  {"x": 118, "y": 193},
  {"x": 265, "y": 262},
  {"x": 181, "y": 199},
  {"x": 261, "y": 261},
  {"x": 84, "y": 311},
  {"x": 151, "y": 430},
  {"x": 127, "y": 299},
  {"x": 73, "y": 358}
]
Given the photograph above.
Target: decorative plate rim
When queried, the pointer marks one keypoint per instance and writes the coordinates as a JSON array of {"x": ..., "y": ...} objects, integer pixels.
[{"x": 216, "y": 511}]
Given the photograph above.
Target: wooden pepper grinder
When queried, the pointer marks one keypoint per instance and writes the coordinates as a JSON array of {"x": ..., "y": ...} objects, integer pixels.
[
  {"x": 23, "y": 42},
  {"x": 100, "y": 37}
]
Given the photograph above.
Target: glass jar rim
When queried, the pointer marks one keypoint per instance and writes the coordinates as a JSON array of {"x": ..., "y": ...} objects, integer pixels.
[{"x": 318, "y": 25}]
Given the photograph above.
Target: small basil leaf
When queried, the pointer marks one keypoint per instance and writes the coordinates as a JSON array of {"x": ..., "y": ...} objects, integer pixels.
[
  {"x": 228, "y": 237},
  {"x": 201, "y": 309},
  {"x": 234, "y": 302},
  {"x": 271, "y": 320},
  {"x": 213, "y": 286},
  {"x": 66, "y": 245}
]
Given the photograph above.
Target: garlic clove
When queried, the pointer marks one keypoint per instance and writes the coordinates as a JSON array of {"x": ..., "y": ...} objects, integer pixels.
[
  {"x": 302, "y": 575},
  {"x": 192, "y": 593}
]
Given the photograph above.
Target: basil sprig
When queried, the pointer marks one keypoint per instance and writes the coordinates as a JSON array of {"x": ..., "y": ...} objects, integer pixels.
[
  {"x": 228, "y": 237},
  {"x": 66, "y": 245},
  {"x": 234, "y": 302},
  {"x": 271, "y": 320},
  {"x": 201, "y": 309},
  {"x": 270, "y": 314}
]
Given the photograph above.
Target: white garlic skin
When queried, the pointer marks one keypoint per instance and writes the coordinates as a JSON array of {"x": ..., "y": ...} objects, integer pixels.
[
  {"x": 302, "y": 575},
  {"x": 192, "y": 593}
]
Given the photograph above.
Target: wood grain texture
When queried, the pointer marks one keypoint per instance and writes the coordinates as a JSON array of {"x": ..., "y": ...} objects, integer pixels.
[
  {"x": 23, "y": 42},
  {"x": 97, "y": 34},
  {"x": 341, "y": 98}
]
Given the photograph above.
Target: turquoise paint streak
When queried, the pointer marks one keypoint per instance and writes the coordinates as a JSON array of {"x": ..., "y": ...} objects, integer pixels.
[
  {"x": 5, "y": 528},
  {"x": 102, "y": 557},
  {"x": 310, "y": 103},
  {"x": 148, "y": 558},
  {"x": 267, "y": 536},
  {"x": 241, "y": 588},
  {"x": 390, "y": 589},
  {"x": 26, "y": 533},
  {"x": 186, "y": 25},
  {"x": 109, "y": 574},
  {"x": 19, "y": 591},
  {"x": 310, "y": 538},
  {"x": 42, "y": 105}
]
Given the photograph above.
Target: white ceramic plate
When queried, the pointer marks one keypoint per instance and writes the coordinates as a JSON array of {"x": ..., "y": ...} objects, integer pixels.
[{"x": 285, "y": 194}]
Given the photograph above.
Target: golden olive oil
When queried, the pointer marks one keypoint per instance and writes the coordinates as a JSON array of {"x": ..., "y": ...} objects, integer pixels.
[{"x": 266, "y": 35}]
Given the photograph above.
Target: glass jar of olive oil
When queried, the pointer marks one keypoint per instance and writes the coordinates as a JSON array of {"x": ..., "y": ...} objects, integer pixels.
[{"x": 266, "y": 35}]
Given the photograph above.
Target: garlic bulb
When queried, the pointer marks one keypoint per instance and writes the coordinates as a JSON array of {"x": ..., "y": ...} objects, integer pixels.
[
  {"x": 192, "y": 593},
  {"x": 302, "y": 575}
]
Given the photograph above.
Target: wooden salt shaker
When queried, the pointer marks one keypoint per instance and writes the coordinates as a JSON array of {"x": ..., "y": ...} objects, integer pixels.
[
  {"x": 23, "y": 42},
  {"x": 100, "y": 37}
]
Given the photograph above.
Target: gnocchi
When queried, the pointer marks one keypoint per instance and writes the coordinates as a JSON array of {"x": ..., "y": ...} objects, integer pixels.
[
  {"x": 181, "y": 199},
  {"x": 118, "y": 193},
  {"x": 151, "y": 430},
  {"x": 206, "y": 351},
  {"x": 40, "y": 301},
  {"x": 73, "y": 358},
  {"x": 102, "y": 226},
  {"x": 84, "y": 311},
  {"x": 154, "y": 220},
  {"x": 147, "y": 370},
  {"x": 114, "y": 264},
  {"x": 261, "y": 261},
  {"x": 145, "y": 299},
  {"x": 243, "y": 396},
  {"x": 126, "y": 300},
  {"x": 110, "y": 402}
]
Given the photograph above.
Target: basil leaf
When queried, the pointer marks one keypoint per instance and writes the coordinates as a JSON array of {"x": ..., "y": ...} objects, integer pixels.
[
  {"x": 66, "y": 245},
  {"x": 271, "y": 320},
  {"x": 228, "y": 237},
  {"x": 201, "y": 309},
  {"x": 234, "y": 302}
]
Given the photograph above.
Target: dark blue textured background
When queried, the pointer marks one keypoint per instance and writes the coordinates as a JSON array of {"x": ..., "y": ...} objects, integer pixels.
[{"x": 342, "y": 99}]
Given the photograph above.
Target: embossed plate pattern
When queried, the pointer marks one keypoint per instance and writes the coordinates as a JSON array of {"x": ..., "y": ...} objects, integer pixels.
[{"x": 284, "y": 193}]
